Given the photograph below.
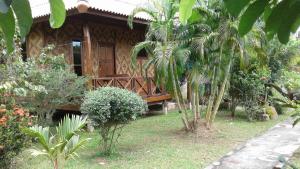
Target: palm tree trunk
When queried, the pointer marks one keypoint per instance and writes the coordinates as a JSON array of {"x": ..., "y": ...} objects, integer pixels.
[
  {"x": 233, "y": 106},
  {"x": 211, "y": 99},
  {"x": 177, "y": 97},
  {"x": 197, "y": 105},
  {"x": 221, "y": 93},
  {"x": 194, "y": 105},
  {"x": 55, "y": 164}
]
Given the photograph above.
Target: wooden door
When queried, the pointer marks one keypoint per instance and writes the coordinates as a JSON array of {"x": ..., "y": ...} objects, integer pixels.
[{"x": 106, "y": 60}]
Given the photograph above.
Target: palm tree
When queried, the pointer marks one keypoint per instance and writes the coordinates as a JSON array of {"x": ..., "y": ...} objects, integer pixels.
[
  {"x": 166, "y": 54},
  {"x": 214, "y": 42},
  {"x": 61, "y": 146},
  {"x": 204, "y": 48}
]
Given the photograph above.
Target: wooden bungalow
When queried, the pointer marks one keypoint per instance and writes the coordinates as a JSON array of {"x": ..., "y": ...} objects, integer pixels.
[{"x": 97, "y": 42}]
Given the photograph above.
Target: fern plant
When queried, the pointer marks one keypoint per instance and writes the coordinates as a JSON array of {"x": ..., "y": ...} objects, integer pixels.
[{"x": 63, "y": 145}]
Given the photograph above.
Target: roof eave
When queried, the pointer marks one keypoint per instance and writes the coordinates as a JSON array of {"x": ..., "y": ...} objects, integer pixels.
[{"x": 96, "y": 12}]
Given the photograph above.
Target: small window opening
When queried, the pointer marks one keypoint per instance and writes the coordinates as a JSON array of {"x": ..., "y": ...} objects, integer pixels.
[
  {"x": 77, "y": 46},
  {"x": 142, "y": 54},
  {"x": 24, "y": 51}
]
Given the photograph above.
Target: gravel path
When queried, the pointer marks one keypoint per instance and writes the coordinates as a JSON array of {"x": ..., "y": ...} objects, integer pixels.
[{"x": 263, "y": 152}]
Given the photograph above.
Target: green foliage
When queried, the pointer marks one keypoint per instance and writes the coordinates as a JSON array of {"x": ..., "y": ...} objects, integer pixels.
[
  {"x": 247, "y": 88},
  {"x": 58, "y": 13},
  {"x": 12, "y": 140},
  {"x": 276, "y": 23},
  {"x": 110, "y": 109},
  {"x": 18, "y": 12},
  {"x": 63, "y": 87},
  {"x": 291, "y": 80},
  {"x": 42, "y": 83},
  {"x": 250, "y": 16},
  {"x": 61, "y": 146},
  {"x": 22, "y": 12},
  {"x": 7, "y": 25},
  {"x": 235, "y": 7},
  {"x": 201, "y": 50},
  {"x": 185, "y": 11},
  {"x": 167, "y": 55}
]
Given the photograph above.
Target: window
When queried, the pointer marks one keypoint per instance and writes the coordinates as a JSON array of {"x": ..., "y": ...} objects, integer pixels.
[
  {"x": 24, "y": 51},
  {"x": 142, "y": 54},
  {"x": 77, "y": 57}
]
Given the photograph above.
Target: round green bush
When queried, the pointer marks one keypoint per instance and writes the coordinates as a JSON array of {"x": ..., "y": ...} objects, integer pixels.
[
  {"x": 110, "y": 109},
  {"x": 111, "y": 105}
]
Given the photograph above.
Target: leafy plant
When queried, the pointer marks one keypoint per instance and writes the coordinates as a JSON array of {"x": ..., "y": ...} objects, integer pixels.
[
  {"x": 276, "y": 23},
  {"x": 202, "y": 48},
  {"x": 110, "y": 109},
  {"x": 12, "y": 140},
  {"x": 44, "y": 83},
  {"x": 62, "y": 145},
  {"x": 18, "y": 12},
  {"x": 247, "y": 88},
  {"x": 166, "y": 54}
]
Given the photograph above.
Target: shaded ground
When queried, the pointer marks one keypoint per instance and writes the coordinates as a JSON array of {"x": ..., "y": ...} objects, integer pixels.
[
  {"x": 264, "y": 151},
  {"x": 158, "y": 142}
]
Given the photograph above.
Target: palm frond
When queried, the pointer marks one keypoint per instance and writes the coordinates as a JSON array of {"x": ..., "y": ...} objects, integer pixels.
[
  {"x": 137, "y": 48},
  {"x": 41, "y": 133},
  {"x": 73, "y": 145},
  {"x": 137, "y": 10},
  {"x": 69, "y": 126}
]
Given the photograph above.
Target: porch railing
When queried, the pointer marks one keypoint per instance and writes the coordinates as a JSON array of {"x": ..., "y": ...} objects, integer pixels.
[{"x": 143, "y": 87}]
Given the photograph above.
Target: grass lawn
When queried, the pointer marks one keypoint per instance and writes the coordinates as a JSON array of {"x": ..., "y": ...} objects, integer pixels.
[
  {"x": 295, "y": 160},
  {"x": 158, "y": 142}
]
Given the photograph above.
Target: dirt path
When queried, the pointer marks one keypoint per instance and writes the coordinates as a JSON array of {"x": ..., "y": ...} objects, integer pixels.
[{"x": 263, "y": 152}]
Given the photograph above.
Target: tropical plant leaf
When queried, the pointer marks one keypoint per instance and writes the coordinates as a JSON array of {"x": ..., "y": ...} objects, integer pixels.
[
  {"x": 185, "y": 10},
  {"x": 7, "y": 24},
  {"x": 252, "y": 13},
  {"x": 42, "y": 134},
  {"x": 267, "y": 12},
  {"x": 58, "y": 13},
  {"x": 195, "y": 17},
  {"x": 137, "y": 48},
  {"x": 5, "y": 5},
  {"x": 22, "y": 11},
  {"x": 76, "y": 144},
  {"x": 290, "y": 18},
  {"x": 296, "y": 24},
  {"x": 69, "y": 126},
  {"x": 275, "y": 19},
  {"x": 236, "y": 6},
  {"x": 35, "y": 152},
  {"x": 139, "y": 10}
]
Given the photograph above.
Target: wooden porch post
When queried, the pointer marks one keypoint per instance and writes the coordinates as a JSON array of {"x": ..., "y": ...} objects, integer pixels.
[{"x": 88, "y": 64}]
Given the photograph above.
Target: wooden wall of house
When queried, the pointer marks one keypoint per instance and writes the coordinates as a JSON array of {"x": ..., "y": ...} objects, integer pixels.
[{"x": 122, "y": 38}]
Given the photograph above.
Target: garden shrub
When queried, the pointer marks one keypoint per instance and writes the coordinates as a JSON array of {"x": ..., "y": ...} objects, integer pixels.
[
  {"x": 247, "y": 88},
  {"x": 110, "y": 109},
  {"x": 271, "y": 111},
  {"x": 43, "y": 83},
  {"x": 12, "y": 140},
  {"x": 278, "y": 108}
]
